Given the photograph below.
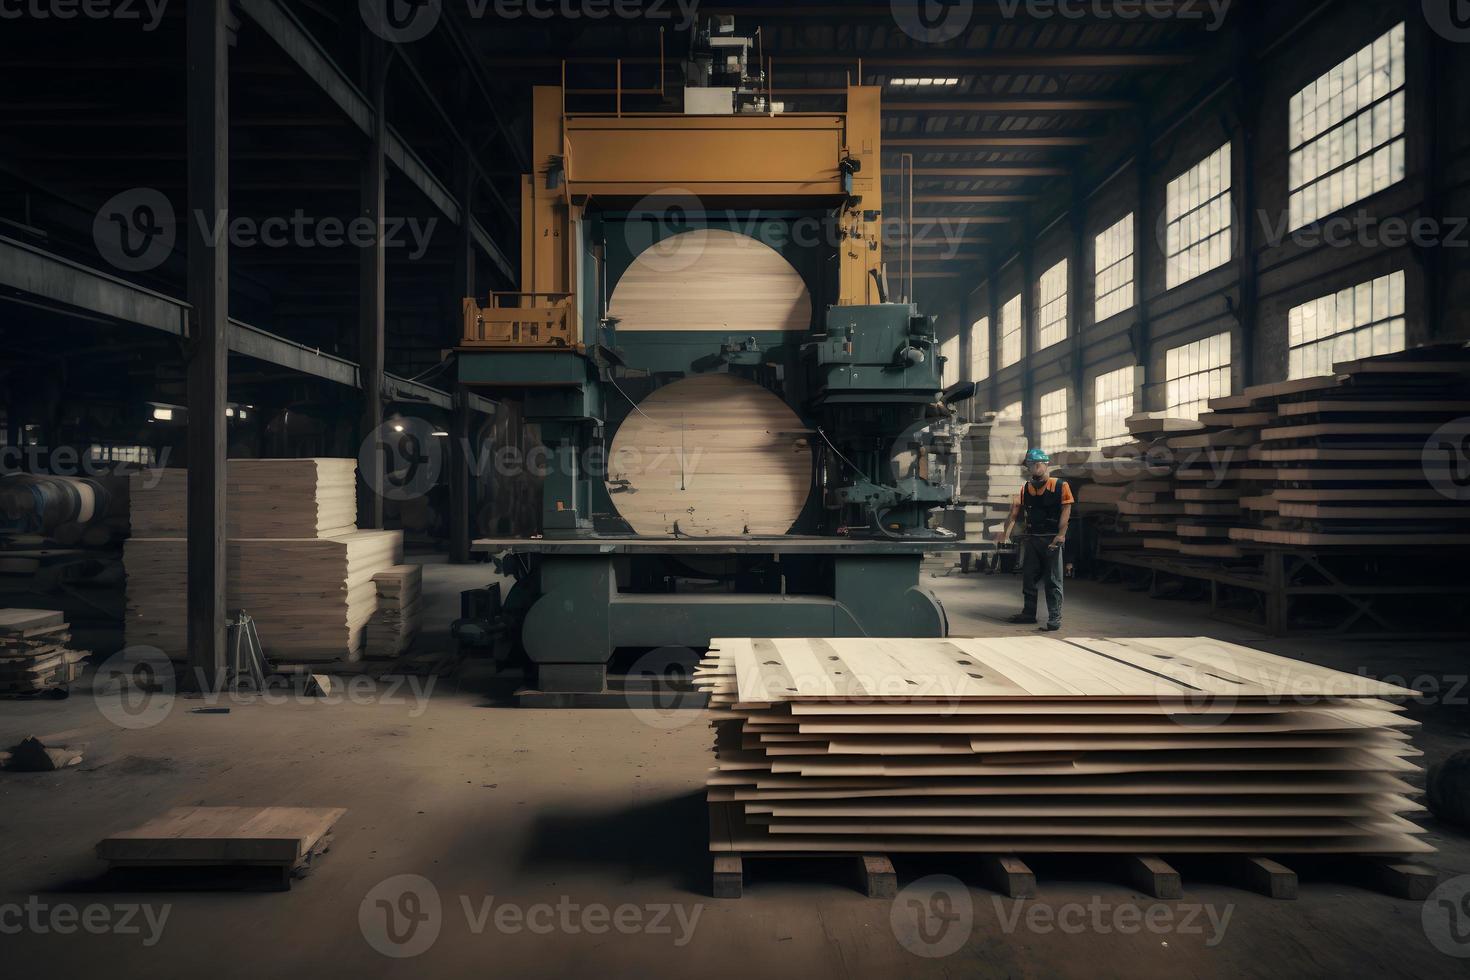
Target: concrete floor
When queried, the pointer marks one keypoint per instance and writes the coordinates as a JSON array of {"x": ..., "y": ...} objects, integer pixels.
[{"x": 564, "y": 816}]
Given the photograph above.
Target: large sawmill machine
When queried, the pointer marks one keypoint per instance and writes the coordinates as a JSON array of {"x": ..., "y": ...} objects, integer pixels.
[{"x": 743, "y": 435}]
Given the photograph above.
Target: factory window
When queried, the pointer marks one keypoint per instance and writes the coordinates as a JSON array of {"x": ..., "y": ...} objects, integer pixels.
[
  {"x": 1361, "y": 321},
  {"x": 949, "y": 350},
  {"x": 122, "y": 454},
  {"x": 980, "y": 349},
  {"x": 1052, "y": 430},
  {"x": 1010, "y": 332},
  {"x": 1051, "y": 306},
  {"x": 1347, "y": 131},
  {"x": 1113, "y": 260},
  {"x": 1112, "y": 401},
  {"x": 1197, "y": 208},
  {"x": 1196, "y": 373}
]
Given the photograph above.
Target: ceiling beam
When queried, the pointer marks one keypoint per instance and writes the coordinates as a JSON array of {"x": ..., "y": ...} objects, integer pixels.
[
  {"x": 1008, "y": 105},
  {"x": 993, "y": 142},
  {"x": 982, "y": 61}
]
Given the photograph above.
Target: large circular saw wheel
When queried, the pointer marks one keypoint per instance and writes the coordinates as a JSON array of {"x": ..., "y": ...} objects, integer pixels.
[{"x": 711, "y": 456}]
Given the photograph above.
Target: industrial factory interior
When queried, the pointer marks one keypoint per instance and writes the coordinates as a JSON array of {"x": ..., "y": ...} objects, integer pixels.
[{"x": 666, "y": 488}]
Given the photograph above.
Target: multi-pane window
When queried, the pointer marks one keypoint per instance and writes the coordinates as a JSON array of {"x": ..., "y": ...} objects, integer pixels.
[
  {"x": 1198, "y": 236},
  {"x": 1112, "y": 403},
  {"x": 1347, "y": 131},
  {"x": 1052, "y": 427},
  {"x": 1362, "y": 321},
  {"x": 1010, "y": 332},
  {"x": 949, "y": 350},
  {"x": 1196, "y": 373},
  {"x": 980, "y": 349},
  {"x": 1113, "y": 260},
  {"x": 1051, "y": 306}
]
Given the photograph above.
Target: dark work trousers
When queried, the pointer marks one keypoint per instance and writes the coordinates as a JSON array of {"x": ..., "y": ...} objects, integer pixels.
[{"x": 1040, "y": 563}]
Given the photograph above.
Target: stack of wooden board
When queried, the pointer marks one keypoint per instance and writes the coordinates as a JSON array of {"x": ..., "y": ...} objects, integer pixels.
[
  {"x": 1351, "y": 460},
  {"x": 392, "y": 629},
  {"x": 265, "y": 498},
  {"x": 991, "y": 472},
  {"x": 1042, "y": 745},
  {"x": 34, "y": 655},
  {"x": 310, "y": 597}
]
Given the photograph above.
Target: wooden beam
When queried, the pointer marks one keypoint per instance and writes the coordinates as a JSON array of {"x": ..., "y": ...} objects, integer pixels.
[{"x": 207, "y": 97}]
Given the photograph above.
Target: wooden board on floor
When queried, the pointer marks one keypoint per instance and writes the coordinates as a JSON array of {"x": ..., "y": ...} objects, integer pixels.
[{"x": 222, "y": 835}]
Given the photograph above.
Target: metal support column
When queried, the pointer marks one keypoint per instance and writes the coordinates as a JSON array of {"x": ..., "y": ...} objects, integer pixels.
[
  {"x": 371, "y": 298},
  {"x": 1028, "y": 337},
  {"x": 1142, "y": 332},
  {"x": 207, "y": 27},
  {"x": 992, "y": 298},
  {"x": 459, "y": 427},
  {"x": 1076, "y": 285},
  {"x": 1248, "y": 96}
]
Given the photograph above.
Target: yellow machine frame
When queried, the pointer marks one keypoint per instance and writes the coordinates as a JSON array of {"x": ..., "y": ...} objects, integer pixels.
[{"x": 795, "y": 158}]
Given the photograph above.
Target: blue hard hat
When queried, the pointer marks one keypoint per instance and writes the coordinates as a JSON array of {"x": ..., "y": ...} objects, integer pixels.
[{"x": 1037, "y": 456}]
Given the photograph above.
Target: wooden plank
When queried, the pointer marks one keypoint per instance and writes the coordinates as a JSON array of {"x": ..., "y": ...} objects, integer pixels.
[
  {"x": 222, "y": 836},
  {"x": 879, "y": 878}
]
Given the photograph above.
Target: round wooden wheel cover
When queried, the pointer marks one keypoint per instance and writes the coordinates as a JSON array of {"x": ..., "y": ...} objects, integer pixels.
[{"x": 716, "y": 455}]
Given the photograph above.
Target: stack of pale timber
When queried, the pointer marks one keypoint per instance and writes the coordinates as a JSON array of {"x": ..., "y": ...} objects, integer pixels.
[
  {"x": 991, "y": 473},
  {"x": 34, "y": 655},
  {"x": 295, "y": 560},
  {"x": 393, "y": 627},
  {"x": 264, "y": 498},
  {"x": 1042, "y": 745}
]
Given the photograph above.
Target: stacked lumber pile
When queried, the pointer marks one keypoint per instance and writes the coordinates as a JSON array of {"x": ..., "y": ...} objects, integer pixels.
[
  {"x": 1044, "y": 745},
  {"x": 295, "y": 560},
  {"x": 311, "y": 598},
  {"x": 991, "y": 473},
  {"x": 1350, "y": 460},
  {"x": 392, "y": 629},
  {"x": 34, "y": 652},
  {"x": 265, "y": 498}
]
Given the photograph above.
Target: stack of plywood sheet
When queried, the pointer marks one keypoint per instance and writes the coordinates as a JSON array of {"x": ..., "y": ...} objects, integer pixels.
[
  {"x": 991, "y": 473},
  {"x": 265, "y": 498},
  {"x": 34, "y": 655},
  {"x": 1363, "y": 458},
  {"x": 1044, "y": 745},
  {"x": 310, "y": 597},
  {"x": 392, "y": 629}
]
